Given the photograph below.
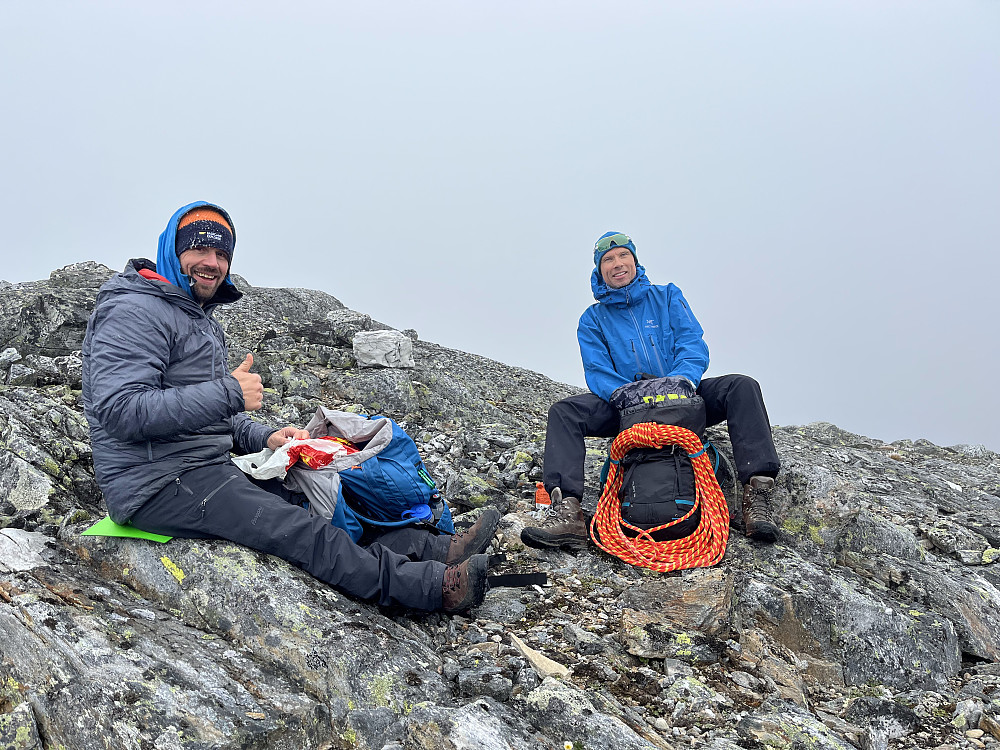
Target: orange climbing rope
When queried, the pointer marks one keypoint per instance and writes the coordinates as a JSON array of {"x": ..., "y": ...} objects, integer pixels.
[{"x": 703, "y": 548}]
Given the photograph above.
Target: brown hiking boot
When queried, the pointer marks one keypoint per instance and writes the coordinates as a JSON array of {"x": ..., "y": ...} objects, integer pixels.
[
  {"x": 464, "y": 585},
  {"x": 757, "y": 519},
  {"x": 564, "y": 527},
  {"x": 475, "y": 539}
]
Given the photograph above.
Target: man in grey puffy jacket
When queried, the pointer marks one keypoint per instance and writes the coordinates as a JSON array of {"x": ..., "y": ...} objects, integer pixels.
[{"x": 165, "y": 413}]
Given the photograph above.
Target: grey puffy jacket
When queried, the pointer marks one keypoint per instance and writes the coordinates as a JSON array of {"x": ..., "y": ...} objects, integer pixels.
[{"x": 157, "y": 390}]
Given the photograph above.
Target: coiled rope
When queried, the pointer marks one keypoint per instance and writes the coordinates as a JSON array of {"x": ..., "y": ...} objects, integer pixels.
[{"x": 702, "y": 548}]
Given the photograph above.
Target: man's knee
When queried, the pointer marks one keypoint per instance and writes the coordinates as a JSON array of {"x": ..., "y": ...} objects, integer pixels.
[
  {"x": 569, "y": 407},
  {"x": 725, "y": 385},
  {"x": 746, "y": 381},
  {"x": 556, "y": 410}
]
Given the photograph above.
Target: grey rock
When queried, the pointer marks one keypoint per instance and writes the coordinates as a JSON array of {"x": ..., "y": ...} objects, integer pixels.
[
  {"x": 18, "y": 730},
  {"x": 583, "y": 641},
  {"x": 482, "y": 723},
  {"x": 868, "y": 535},
  {"x": 8, "y": 357},
  {"x": 778, "y": 725},
  {"x": 968, "y": 713},
  {"x": 373, "y": 727},
  {"x": 21, "y": 550},
  {"x": 953, "y": 538},
  {"x": 80, "y": 675},
  {"x": 644, "y": 636},
  {"x": 21, "y": 484},
  {"x": 693, "y": 702},
  {"x": 502, "y": 605},
  {"x": 698, "y": 600},
  {"x": 383, "y": 349},
  {"x": 50, "y": 317},
  {"x": 570, "y": 714},
  {"x": 487, "y": 681},
  {"x": 882, "y": 720},
  {"x": 809, "y": 611},
  {"x": 22, "y": 374},
  {"x": 468, "y": 490}
]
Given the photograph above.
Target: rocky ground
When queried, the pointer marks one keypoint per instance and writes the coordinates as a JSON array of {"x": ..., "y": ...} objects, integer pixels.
[{"x": 872, "y": 623}]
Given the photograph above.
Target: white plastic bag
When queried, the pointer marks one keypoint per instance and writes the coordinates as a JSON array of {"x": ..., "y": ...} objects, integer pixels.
[{"x": 269, "y": 464}]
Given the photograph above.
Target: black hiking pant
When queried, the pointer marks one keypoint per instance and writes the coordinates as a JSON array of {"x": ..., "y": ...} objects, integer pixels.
[
  {"x": 734, "y": 399},
  {"x": 402, "y": 567}
]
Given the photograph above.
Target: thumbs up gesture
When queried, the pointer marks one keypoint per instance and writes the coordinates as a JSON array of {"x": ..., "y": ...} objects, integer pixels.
[{"x": 250, "y": 384}]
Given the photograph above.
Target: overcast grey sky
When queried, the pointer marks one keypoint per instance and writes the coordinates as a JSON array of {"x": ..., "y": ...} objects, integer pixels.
[{"x": 821, "y": 179}]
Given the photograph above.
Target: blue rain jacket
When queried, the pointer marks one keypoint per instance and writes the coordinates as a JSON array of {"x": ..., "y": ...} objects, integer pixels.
[
  {"x": 640, "y": 328},
  {"x": 157, "y": 391}
]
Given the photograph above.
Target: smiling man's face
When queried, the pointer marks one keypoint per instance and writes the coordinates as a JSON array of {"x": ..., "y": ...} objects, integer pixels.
[
  {"x": 207, "y": 268},
  {"x": 618, "y": 267}
]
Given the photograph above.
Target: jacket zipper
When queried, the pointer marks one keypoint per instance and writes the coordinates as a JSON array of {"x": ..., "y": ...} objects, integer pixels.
[
  {"x": 638, "y": 330},
  {"x": 213, "y": 353},
  {"x": 659, "y": 359}
]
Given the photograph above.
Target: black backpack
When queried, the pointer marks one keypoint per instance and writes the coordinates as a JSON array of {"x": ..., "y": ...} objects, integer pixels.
[{"x": 658, "y": 485}]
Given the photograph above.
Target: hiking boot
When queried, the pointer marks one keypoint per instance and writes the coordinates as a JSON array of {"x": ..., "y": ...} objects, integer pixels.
[
  {"x": 475, "y": 539},
  {"x": 464, "y": 585},
  {"x": 758, "y": 522},
  {"x": 563, "y": 527}
]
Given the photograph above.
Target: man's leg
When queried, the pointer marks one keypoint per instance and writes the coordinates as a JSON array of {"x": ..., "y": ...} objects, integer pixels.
[
  {"x": 417, "y": 543},
  {"x": 737, "y": 400},
  {"x": 570, "y": 421},
  {"x": 413, "y": 543},
  {"x": 451, "y": 549},
  {"x": 218, "y": 501}
]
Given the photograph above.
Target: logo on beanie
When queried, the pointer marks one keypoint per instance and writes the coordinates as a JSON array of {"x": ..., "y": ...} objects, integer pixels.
[{"x": 205, "y": 233}]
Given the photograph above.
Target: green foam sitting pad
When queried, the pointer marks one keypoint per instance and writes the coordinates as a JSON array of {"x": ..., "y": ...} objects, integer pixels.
[{"x": 107, "y": 527}]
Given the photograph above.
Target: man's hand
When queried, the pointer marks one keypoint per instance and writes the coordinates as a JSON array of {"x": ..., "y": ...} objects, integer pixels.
[
  {"x": 250, "y": 384},
  {"x": 282, "y": 436}
]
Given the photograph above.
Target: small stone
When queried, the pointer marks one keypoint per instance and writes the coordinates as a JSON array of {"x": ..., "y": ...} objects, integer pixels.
[
  {"x": 661, "y": 724},
  {"x": 975, "y": 734}
]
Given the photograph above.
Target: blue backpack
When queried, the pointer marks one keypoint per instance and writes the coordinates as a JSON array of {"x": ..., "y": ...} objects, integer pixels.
[
  {"x": 385, "y": 484},
  {"x": 393, "y": 488}
]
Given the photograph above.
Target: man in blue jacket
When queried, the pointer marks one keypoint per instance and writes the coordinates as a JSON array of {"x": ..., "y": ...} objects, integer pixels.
[
  {"x": 635, "y": 330},
  {"x": 165, "y": 412}
]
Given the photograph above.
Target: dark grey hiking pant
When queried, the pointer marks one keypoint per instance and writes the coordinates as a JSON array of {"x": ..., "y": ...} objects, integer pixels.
[
  {"x": 734, "y": 399},
  {"x": 403, "y": 567}
]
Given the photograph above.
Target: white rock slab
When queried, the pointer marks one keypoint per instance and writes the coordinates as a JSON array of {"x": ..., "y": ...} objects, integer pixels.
[
  {"x": 383, "y": 349},
  {"x": 21, "y": 550},
  {"x": 543, "y": 665}
]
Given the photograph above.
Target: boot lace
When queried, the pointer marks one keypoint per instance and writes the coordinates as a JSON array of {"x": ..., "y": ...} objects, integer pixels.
[
  {"x": 760, "y": 506},
  {"x": 452, "y": 578}
]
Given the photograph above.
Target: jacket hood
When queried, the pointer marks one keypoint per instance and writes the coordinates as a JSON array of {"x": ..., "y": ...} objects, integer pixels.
[
  {"x": 635, "y": 289},
  {"x": 168, "y": 264}
]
